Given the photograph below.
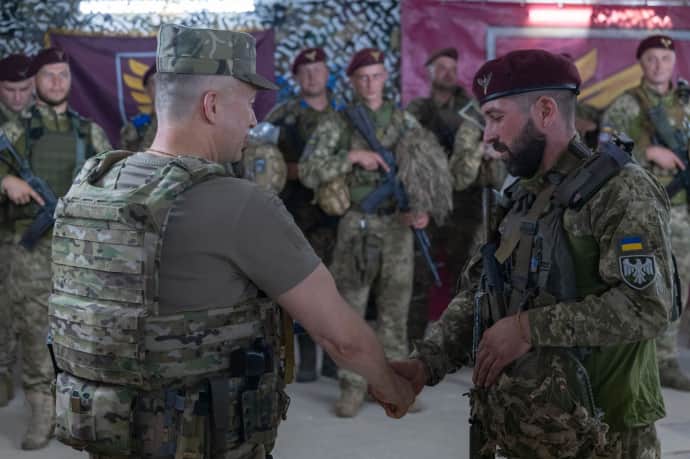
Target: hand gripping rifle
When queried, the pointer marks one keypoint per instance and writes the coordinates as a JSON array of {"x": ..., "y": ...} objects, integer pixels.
[
  {"x": 44, "y": 220},
  {"x": 391, "y": 185}
]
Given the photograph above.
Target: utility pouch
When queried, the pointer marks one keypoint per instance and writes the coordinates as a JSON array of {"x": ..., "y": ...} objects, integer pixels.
[{"x": 94, "y": 416}]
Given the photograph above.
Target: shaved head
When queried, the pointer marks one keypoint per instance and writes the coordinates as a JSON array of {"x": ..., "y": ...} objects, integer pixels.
[{"x": 179, "y": 96}]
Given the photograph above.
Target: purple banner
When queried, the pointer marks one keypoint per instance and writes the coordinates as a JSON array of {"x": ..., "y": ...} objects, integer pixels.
[{"x": 107, "y": 75}]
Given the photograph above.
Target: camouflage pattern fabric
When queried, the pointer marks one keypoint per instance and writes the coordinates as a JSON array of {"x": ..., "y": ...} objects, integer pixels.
[
  {"x": 441, "y": 119},
  {"x": 8, "y": 341},
  {"x": 627, "y": 115},
  {"x": 637, "y": 442},
  {"x": 191, "y": 51},
  {"x": 374, "y": 256},
  {"x": 134, "y": 138},
  {"x": 29, "y": 286},
  {"x": 616, "y": 314},
  {"x": 264, "y": 165},
  {"x": 297, "y": 121}
]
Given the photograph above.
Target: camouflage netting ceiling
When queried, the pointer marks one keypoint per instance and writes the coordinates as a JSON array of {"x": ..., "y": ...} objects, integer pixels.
[{"x": 340, "y": 26}]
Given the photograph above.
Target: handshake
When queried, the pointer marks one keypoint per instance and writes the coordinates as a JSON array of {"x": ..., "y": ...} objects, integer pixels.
[{"x": 404, "y": 381}]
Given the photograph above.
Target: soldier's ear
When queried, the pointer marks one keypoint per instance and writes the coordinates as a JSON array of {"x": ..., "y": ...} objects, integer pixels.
[
  {"x": 545, "y": 111},
  {"x": 209, "y": 107}
]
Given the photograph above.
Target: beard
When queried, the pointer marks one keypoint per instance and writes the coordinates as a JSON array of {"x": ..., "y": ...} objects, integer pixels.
[
  {"x": 50, "y": 101},
  {"x": 524, "y": 159},
  {"x": 444, "y": 86}
]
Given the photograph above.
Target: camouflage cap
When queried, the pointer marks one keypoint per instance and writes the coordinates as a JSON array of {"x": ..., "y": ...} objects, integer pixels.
[{"x": 192, "y": 51}]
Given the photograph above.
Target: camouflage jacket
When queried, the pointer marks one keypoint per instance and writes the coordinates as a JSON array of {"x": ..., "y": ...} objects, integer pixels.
[
  {"x": 6, "y": 115},
  {"x": 138, "y": 133},
  {"x": 297, "y": 121},
  {"x": 326, "y": 154},
  {"x": 443, "y": 120},
  {"x": 626, "y": 114},
  {"x": 613, "y": 316}
]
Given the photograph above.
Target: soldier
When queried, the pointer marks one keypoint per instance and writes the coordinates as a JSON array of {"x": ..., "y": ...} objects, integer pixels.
[
  {"x": 198, "y": 355},
  {"x": 454, "y": 117},
  {"x": 56, "y": 141},
  {"x": 374, "y": 247},
  {"x": 16, "y": 94},
  {"x": 138, "y": 134},
  {"x": 577, "y": 282},
  {"x": 635, "y": 112},
  {"x": 297, "y": 118}
]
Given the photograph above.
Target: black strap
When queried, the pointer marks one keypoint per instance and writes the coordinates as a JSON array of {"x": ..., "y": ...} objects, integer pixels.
[{"x": 219, "y": 388}]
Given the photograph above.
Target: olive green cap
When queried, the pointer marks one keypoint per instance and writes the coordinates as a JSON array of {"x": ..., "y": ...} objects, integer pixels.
[{"x": 191, "y": 51}]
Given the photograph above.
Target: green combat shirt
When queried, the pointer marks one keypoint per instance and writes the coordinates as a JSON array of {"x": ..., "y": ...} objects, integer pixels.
[
  {"x": 441, "y": 119},
  {"x": 626, "y": 114},
  {"x": 617, "y": 322},
  {"x": 325, "y": 156},
  {"x": 47, "y": 159}
]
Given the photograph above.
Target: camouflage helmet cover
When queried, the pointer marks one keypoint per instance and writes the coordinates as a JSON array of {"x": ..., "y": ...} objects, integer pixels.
[{"x": 192, "y": 51}]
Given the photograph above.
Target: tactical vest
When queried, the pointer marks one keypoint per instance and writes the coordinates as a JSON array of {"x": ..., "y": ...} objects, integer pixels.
[
  {"x": 132, "y": 380},
  {"x": 390, "y": 126},
  {"x": 548, "y": 389},
  {"x": 677, "y": 118}
]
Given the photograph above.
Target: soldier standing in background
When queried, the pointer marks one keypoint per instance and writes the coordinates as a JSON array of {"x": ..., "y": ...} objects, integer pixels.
[
  {"x": 138, "y": 133},
  {"x": 643, "y": 113},
  {"x": 576, "y": 283},
  {"x": 56, "y": 141},
  {"x": 297, "y": 118},
  {"x": 454, "y": 118},
  {"x": 16, "y": 95},
  {"x": 374, "y": 252}
]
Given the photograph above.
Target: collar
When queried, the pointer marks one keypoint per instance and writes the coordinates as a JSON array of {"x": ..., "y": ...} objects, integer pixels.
[
  {"x": 567, "y": 163},
  {"x": 654, "y": 95}
]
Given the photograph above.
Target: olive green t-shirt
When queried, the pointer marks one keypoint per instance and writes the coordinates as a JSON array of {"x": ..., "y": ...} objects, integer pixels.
[{"x": 225, "y": 238}]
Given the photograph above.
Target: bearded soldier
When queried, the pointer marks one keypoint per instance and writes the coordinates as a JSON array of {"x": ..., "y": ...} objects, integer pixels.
[
  {"x": 138, "y": 133},
  {"x": 344, "y": 162},
  {"x": 650, "y": 114},
  {"x": 297, "y": 118},
  {"x": 166, "y": 268},
  {"x": 576, "y": 283},
  {"x": 54, "y": 141},
  {"x": 16, "y": 95}
]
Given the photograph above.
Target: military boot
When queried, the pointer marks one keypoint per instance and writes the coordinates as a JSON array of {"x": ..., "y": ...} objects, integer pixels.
[
  {"x": 6, "y": 389},
  {"x": 350, "y": 402},
  {"x": 328, "y": 367},
  {"x": 672, "y": 376},
  {"x": 307, "y": 359},
  {"x": 42, "y": 422}
]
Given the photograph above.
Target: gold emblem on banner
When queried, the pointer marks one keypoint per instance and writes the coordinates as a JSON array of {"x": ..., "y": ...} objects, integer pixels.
[{"x": 134, "y": 81}]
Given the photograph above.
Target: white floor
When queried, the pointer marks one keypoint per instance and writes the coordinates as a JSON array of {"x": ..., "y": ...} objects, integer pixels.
[{"x": 440, "y": 430}]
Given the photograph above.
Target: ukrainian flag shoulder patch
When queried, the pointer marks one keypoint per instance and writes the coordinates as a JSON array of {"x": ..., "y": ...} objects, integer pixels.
[{"x": 631, "y": 244}]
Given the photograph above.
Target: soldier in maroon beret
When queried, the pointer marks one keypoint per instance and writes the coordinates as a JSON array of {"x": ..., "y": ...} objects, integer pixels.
[
  {"x": 574, "y": 287},
  {"x": 58, "y": 141},
  {"x": 297, "y": 118},
  {"x": 630, "y": 113},
  {"x": 16, "y": 86},
  {"x": 16, "y": 91},
  {"x": 374, "y": 250}
]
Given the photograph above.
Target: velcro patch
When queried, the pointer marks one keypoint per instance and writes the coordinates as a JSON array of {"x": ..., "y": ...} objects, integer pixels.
[{"x": 637, "y": 271}]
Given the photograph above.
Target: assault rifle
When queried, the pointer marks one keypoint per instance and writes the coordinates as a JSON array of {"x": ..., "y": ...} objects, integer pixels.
[
  {"x": 391, "y": 186},
  {"x": 44, "y": 219},
  {"x": 675, "y": 140}
]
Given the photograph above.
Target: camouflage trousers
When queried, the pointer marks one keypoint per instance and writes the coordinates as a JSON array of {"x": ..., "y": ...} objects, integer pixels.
[
  {"x": 246, "y": 451},
  {"x": 29, "y": 287},
  {"x": 8, "y": 342},
  {"x": 459, "y": 237},
  {"x": 635, "y": 443},
  {"x": 374, "y": 255},
  {"x": 667, "y": 344}
]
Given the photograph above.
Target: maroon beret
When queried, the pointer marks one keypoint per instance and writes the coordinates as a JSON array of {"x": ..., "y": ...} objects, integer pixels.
[
  {"x": 308, "y": 56},
  {"x": 48, "y": 56},
  {"x": 364, "y": 57},
  {"x": 524, "y": 71},
  {"x": 447, "y": 52},
  {"x": 15, "y": 67},
  {"x": 655, "y": 41},
  {"x": 149, "y": 73}
]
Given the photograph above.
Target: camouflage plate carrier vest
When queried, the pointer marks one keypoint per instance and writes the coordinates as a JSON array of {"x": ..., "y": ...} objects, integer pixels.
[
  {"x": 131, "y": 380},
  {"x": 543, "y": 405}
]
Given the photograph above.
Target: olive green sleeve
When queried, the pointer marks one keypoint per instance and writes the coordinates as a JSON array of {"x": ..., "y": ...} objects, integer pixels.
[
  {"x": 99, "y": 140},
  {"x": 637, "y": 303},
  {"x": 625, "y": 115},
  {"x": 467, "y": 156}
]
